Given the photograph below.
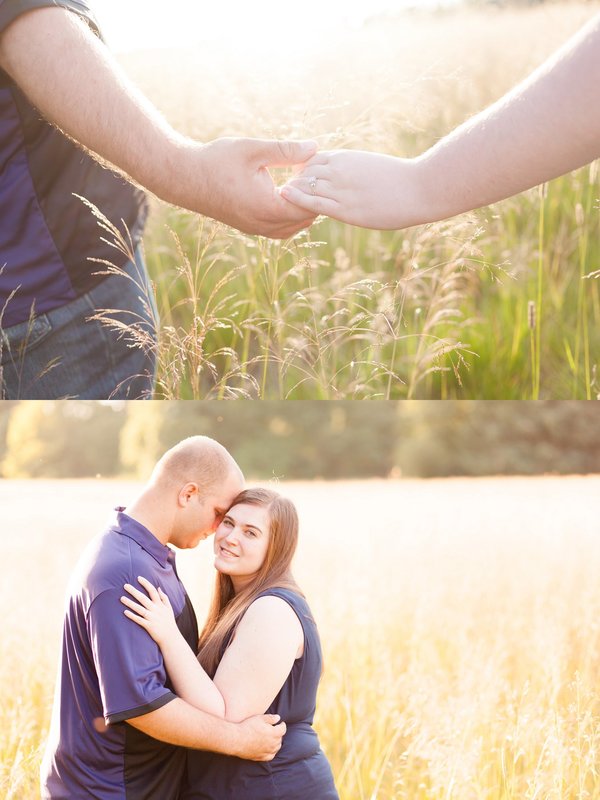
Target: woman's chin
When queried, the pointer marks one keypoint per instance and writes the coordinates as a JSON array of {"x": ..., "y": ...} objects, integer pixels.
[{"x": 223, "y": 565}]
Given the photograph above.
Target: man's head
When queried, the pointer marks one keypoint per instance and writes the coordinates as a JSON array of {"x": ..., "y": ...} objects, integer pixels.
[{"x": 198, "y": 478}]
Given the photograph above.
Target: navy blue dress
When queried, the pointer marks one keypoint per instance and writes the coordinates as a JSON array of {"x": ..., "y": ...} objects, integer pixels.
[{"x": 300, "y": 769}]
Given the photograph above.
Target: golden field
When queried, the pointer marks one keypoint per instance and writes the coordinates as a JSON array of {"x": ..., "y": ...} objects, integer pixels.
[{"x": 460, "y": 620}]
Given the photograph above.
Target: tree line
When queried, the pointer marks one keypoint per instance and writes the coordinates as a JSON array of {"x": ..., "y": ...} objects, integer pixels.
[{"x": 304, "y": 440}]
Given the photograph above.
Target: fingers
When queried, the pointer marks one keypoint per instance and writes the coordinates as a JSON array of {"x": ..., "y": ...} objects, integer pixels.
[
  {"x": 271, "y": 719},
  {"x": 287, "y": 231},
  {"x": 284, "y": 153},
  {"x": 316, "y": 165},
  {"x": 290, "y": 226},
  {"x": 141, "y": 597},
  {"x": 309, "y": 202},
  {"x": 313, "y": 184},
  {"x": 139, "y": 610},
  {"x": 320, "y": 171},
  {"x": 136, "y": 618},
  {"x": 152, "y": 593},
  {"x": 164, "y": 597},
  {"x": 282, "y": 220},
  {"x": 320, "y": 158}
]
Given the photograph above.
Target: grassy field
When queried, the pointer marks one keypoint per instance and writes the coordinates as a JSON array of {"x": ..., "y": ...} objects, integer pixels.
[
  {"x": 460, "y": 623},
  {"x": 433, "y": 312}
]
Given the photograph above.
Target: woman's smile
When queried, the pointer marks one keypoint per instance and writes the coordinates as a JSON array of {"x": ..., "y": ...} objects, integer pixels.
[{"x": 241, "y": 542}]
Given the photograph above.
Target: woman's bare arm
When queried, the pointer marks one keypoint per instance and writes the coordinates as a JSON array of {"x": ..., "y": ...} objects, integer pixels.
[
  {"x": 546, "y": 126},
  {"x": 253, "y": 668},
  {"x": 256, "y": 664}
]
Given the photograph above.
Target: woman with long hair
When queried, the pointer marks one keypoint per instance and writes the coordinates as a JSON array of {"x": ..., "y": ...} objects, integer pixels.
[{"x": 259, "y": 652}]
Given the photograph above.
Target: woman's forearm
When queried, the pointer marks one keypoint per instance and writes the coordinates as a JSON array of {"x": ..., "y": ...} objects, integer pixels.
[
  {"x": 189, "y": 679},
  {"x": 546, "y": 126}
]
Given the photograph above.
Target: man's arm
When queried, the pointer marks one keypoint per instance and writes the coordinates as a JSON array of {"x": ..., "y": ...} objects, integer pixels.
[
  {"x": 89, "y": 97},
  {"x": 256, "y": 738},
  {"x": 546, "y": 126}
]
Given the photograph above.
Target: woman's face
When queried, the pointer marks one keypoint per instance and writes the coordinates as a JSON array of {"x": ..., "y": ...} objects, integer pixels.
[{"x": 240, "y": 543}]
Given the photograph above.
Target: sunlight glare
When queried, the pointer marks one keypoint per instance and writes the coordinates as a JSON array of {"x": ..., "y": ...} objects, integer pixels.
[{"x": 263, "y": 26}]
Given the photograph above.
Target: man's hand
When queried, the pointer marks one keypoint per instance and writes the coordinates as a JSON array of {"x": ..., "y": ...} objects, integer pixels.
[
  {"x": 177, "y": 722},
  {"x": 229, "y": 180},
  {"x": 90, "y": 98},
  {"x": 260, "y": 737}
]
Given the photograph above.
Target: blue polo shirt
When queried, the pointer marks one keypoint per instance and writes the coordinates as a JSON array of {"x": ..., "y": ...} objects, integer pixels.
[
  {"x": 51, "y": 246},
  {"x": 111, "y": 670}
]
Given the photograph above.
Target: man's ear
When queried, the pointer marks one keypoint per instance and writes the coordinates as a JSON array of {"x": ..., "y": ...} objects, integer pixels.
[{"x": 187, "y": 492}]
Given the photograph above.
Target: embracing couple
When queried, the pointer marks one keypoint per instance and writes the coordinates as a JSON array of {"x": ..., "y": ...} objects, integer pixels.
[{"x": 148, "y": 707}]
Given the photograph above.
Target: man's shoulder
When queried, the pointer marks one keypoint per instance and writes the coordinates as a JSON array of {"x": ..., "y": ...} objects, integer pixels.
[{"x": 109, "y": 561}]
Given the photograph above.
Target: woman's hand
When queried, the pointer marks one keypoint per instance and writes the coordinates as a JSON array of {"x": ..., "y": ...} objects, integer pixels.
[
  {"x": 152, "y": 611},
  {"x": 501, "y": 151},
  {"x": 367, "y": 189}
]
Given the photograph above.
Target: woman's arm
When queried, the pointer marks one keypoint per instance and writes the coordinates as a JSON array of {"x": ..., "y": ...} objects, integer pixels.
[
  {"x": 153, "y": 612},
  {"x": 253, "y": 669},
  {"x": 256, "y": 664},
  {"x": 546, "y": 126}
]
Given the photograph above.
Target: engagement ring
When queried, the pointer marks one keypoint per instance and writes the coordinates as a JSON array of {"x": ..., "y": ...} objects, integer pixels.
[{"x": 312, "y": 182}]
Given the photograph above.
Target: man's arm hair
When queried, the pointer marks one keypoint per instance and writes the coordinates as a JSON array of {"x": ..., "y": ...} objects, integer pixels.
[
  {"x": 177, "y": 722},
  {"x": 89, "y": 97}
]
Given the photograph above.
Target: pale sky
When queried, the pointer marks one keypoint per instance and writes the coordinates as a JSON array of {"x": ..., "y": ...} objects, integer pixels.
[{"x": 134, "y": 24}]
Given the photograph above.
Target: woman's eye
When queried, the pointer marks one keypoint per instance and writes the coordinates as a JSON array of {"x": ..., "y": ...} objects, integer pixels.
[{"x": 228, "y": 523}]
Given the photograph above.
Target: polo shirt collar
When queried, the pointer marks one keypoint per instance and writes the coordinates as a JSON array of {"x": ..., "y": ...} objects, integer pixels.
[{"x": 127, "y": 526}]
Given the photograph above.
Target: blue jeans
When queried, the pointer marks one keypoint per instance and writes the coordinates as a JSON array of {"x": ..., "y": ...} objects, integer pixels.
[{"x": 66, "y": 354}]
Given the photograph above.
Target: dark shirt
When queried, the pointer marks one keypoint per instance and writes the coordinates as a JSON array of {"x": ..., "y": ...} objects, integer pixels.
[
  {"x": 300, "y": 770},
  {"x": 47, "y": 234},
  {"x": 111, "y": 670}
]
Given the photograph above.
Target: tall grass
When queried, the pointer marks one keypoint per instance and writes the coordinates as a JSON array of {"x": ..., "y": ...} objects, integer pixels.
[
  {"x": 459, "y": 619},
  {"x": 433, "y": 312},
  {"x": 300, "y": 319}
]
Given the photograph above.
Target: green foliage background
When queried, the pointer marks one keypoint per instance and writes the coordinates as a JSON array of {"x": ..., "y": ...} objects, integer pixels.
[{"x": 304, "y": 440}]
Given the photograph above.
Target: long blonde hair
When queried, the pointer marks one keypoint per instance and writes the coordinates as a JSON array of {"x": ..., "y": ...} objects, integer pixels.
[{"x": 227, "y": 608}]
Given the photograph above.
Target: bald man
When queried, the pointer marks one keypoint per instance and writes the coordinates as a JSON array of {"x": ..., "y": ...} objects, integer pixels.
[{"x": 118, "y": 730}]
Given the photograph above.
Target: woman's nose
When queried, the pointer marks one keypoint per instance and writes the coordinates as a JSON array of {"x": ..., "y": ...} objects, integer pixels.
[{"x": 231, "y": 536}]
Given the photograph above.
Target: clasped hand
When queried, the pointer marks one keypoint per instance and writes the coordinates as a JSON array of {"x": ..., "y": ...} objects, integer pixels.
[
  {"x": 237, "y": 188},
  {"x": 372, "y": 190}
]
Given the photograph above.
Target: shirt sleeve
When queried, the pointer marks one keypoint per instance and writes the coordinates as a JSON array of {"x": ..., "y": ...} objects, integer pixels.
[
  {"x": 130, "y": 668},
  {"x": 11, "y": 9}
]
